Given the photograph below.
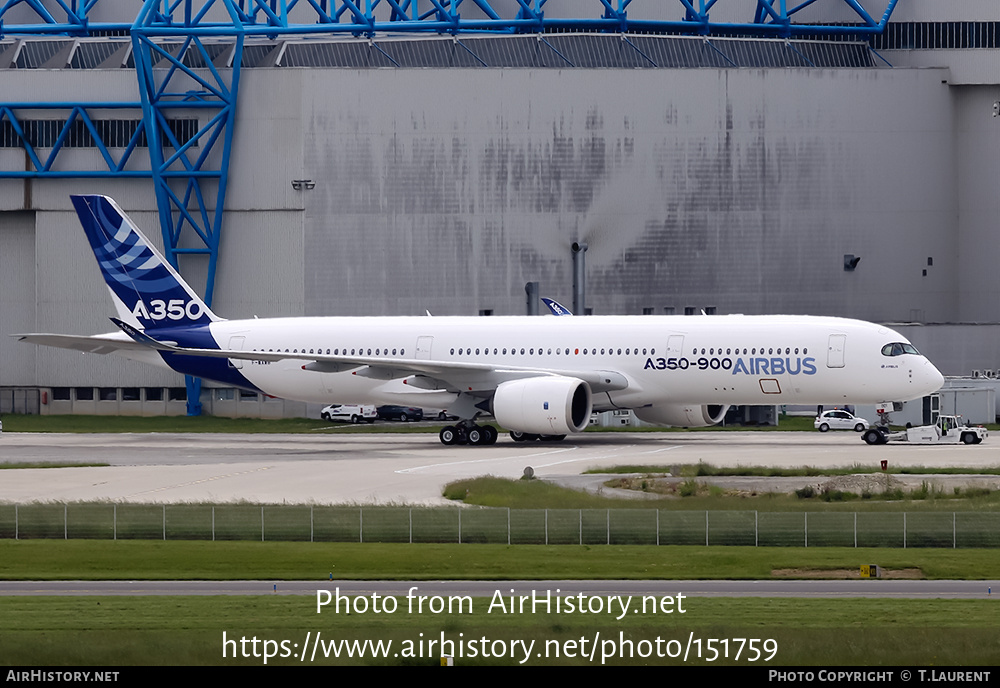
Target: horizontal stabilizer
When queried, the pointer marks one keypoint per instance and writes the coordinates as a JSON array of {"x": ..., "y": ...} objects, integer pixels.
[{"x": 97, "y": 344}]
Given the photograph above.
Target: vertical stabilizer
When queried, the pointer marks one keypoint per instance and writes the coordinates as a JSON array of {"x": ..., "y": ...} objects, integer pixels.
[{"x": 148, "y": 292}]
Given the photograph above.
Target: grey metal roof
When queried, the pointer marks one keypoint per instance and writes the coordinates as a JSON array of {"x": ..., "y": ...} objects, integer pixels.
[
  {"x": 357, "y": 54},
  {"x": 538, "y": 51},
  {"x": 34, "y": 54},
  {"x": 823, "y": 54},
  {"x": 93, "y": 54},
  {"x": 195, "y": 59},
  {"x": 260, "y": 54},
  {"x": 443, "y": 53}
]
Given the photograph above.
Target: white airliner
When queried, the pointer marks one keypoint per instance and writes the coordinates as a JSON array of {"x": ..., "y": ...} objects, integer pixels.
[{"x": 540, "y": 377}]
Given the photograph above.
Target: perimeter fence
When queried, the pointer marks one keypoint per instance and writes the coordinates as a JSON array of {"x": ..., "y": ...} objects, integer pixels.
[{"x": 499, "y": 526}]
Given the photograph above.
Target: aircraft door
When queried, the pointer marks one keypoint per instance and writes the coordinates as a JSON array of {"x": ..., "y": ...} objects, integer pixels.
[
  {"x": 236, "y": 344},
  {"x": 424, "y": 347},
  {"x": 675, "y": 345},
  {"x": 835, "y": 351}
]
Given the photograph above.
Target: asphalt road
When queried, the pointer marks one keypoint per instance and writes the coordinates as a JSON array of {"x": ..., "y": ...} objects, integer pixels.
[{"x": 903, "y": 589}]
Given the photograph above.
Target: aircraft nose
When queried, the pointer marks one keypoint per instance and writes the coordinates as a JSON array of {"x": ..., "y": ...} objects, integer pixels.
[{"x": 931, "y": 378}]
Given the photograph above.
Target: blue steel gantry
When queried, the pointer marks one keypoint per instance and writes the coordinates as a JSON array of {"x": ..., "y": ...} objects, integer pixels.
[{"x": 176, "y": 69}]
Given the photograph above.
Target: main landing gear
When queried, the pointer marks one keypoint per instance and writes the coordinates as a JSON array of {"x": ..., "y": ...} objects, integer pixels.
[{"x": 467, "y": 432}]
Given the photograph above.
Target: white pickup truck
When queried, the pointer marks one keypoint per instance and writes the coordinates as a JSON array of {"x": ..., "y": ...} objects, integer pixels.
[{"x": 948, "y": 430}]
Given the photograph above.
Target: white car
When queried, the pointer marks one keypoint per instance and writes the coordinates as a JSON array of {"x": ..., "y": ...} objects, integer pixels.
[
  {"x": 838, "y": 419},
  {"x": 354, "y": 413}
]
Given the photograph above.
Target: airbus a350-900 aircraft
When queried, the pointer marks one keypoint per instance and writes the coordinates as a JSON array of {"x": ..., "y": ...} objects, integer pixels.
[{"x": 540, "y": 377}]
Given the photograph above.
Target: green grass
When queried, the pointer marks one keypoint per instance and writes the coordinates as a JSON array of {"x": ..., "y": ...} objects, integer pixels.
[
  {"x": 702, "y": 469},
  {"x": 188, "y": 631},
  {"x": 186, "y": 560},
  {"x": 122, "y": 631},
  {"x": 536, "y": 494}
]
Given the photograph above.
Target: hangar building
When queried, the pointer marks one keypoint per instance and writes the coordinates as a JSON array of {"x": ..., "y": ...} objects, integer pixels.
[{"x": 397, "y": 173}]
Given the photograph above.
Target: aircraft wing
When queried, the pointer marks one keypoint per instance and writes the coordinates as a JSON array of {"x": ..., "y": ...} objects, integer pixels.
[{"x": 452, "y": 375}]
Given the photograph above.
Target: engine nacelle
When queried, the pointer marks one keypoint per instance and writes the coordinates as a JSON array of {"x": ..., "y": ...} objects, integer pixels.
[
  {"x": 543, "y": 405},
  {"x": 683, "y": 415}
]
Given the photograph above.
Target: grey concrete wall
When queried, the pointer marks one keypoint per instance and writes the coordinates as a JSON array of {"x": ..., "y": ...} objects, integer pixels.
[
  {"x": 18, "y": 308},
  {"x": 977, "y": 147},
  {"x": 741, "y": 189}
]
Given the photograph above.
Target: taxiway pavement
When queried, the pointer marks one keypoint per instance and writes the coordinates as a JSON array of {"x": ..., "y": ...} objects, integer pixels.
[{"x": 339, "y": 468}]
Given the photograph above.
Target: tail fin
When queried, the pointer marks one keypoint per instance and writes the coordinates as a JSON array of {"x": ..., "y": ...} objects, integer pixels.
[{"x": 147, "y": 291}]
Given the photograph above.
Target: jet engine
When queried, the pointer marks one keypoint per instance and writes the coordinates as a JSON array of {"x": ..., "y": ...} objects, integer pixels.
[
  {"x": 683, "y": 415},
  {"x": 543, "y": 405}
]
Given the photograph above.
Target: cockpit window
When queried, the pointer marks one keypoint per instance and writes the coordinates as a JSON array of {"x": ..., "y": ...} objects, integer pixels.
[{"x": 898, "y": 349}]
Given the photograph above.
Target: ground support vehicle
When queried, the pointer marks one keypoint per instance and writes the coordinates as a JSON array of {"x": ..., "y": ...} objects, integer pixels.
[
  {"x": 354, "y": 413},
  {"x": 948, "y": 430}
]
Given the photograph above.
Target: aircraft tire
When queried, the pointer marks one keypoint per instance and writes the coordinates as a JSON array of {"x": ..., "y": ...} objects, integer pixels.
[
  {"x": 517, "y": 436},
  {"x": 491, "y": 434},
  {"x": 448, "y": 436},
  {"x": 477, "y": 436}
]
